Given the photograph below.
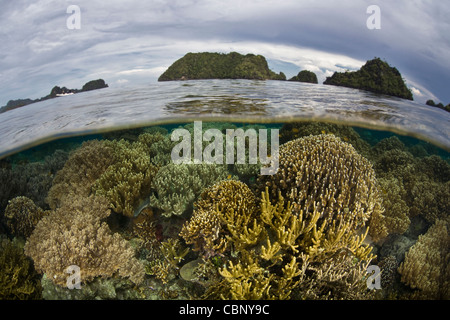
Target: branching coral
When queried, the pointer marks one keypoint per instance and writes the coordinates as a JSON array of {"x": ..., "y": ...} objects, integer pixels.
[
  {"x": 74, "y": 234},
  {"x": 291, "y": 257},
  {"x": 125, "y": 182},
  {"x": 176, "y": 186},
  {"x": 84, "y": 166},
  {"x": 18, "y": 280},
  {"x": 426, "y": 265},
  {"x": 323, "y": 174},
  {"x": 225, "y": 212},
  {"x": 22, "y": 215},
  {"x": 395, "y": 218}
]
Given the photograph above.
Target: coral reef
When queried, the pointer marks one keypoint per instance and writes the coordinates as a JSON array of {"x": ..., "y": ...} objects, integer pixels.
[
  {"x": 326, "y": 175},
  {"x": 426, "y": 266},
  {"x": 291, "y": 256},
  {"x": 18, "y": 280},
  {"x": 22, "y": 215},
  {"x": 84, "y": 166},
  {"x": 176, "y": 186},
  {"x": 223, "y": 213},
  {"x": 126, "y": 181},
  {"x": 294, "y": 130},
  {"x": 74, "y": 234}
]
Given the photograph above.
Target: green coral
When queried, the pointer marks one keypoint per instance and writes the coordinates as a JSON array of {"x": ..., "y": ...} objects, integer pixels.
[
  {"x": 18, "y": 280},
  {"x": 126, "y": 181},
  {"x": 176, "y": 186}
]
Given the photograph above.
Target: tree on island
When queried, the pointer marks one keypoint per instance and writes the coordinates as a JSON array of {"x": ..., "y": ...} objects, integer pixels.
[
  {"x": 207, "y": 65},
  {"x": 305, "y": 76},
  {"x": 375, "y": 76}
]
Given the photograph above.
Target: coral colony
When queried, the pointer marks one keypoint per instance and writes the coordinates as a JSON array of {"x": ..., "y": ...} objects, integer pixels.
[
  {"x": 213, "y": 153},
  {"x": 116, "y": 218}
]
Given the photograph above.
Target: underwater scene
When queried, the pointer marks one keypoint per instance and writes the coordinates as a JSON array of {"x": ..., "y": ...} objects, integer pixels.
[{"x": 348, "y": 213}]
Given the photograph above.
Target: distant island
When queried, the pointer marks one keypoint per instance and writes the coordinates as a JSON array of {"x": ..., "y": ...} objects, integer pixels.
[
  {"x": 207, "y": 65},
  {"x": 305, "y": 76},
  {"x": 375, "y": 76},
  {"x": 55, "y": 92},
  {"x": 440, "y": 105}
]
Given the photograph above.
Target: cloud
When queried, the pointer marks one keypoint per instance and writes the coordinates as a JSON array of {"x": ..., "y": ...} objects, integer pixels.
[{"x": 137, "y": 40}]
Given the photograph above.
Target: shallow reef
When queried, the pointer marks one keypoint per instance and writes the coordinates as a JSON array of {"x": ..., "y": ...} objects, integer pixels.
[{"x": 138, "y": 226}]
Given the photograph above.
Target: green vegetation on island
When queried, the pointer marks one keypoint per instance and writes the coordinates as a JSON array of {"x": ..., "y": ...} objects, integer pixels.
[
  {"x": 305, "y": 76},
  {"x": 207, "y": 65},
  {"x": 440, "y": 105},
  {"x": 375, "y": 76},
  {"x": 55, "y": 92}
]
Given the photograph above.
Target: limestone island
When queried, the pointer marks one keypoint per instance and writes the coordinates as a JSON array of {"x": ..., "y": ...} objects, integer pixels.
[
  {"x": 305, "y": 76},
  {"x": 55, "y": 92},
  {"x": 207, "y": 65},
  {"x": 375, "y": 76}
]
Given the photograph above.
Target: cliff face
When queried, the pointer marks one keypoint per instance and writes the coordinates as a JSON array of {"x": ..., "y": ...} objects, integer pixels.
[
  {"x": 208, "y": 65},
  {"x": 375, "y": 76}
]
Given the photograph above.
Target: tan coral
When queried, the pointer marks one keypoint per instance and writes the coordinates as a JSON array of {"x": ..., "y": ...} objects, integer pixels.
[
  {"x": 22, "y": 215},
  {"x": 84, "y": 166},
  {"x": 426, "y": 266},
  {"x": 324, "y": 174},
  {"x": 225, "y": 211},
  {"x": 75, "y": 234}
]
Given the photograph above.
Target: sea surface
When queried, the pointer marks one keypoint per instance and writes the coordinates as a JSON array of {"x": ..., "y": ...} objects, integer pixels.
[
  {"x": 224, "y": 100},
  {"x": 92, "y": 205}
]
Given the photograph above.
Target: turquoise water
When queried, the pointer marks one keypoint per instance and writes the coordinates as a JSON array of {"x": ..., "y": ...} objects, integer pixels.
[{"x": 88, "y": 182}]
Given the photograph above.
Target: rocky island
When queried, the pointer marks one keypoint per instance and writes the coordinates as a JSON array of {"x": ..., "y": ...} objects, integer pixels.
[
  {"x": 375, "y": 76},
  {"x": 305, "y": 76},
  {"x": 55, "y": 92},
  {"x": 207, "y": 65}
]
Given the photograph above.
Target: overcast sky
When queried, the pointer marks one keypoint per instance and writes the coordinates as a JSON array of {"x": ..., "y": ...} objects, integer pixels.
[{"x": 133, "y": 42}]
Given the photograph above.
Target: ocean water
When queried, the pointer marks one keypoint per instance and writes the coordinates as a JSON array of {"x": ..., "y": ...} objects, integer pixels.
[{"x": 92, "y": 205}]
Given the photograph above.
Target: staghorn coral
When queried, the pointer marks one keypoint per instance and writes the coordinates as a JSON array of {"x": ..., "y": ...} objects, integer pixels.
[
  {"x": 323, "y": 174},
  {"x": 224, "y": 212},
  {"x": 74, "y": 234},
  {"x": 18, "y": 280},
  {"x": 426, "y": 266},
  {"x": 22, "y": 215},
  {"x": 126, "y": 180},
  {"x": 291, "y": 258},
  {"x": 176, "y": 186},
  {"x": 84, "y": 166}
]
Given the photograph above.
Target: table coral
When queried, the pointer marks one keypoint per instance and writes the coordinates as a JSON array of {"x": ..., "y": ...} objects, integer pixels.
[{"x": 75, "y": 234}]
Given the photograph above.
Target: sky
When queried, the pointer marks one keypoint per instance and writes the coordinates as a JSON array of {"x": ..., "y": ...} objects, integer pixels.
[{"x": 132, "y": 42}]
